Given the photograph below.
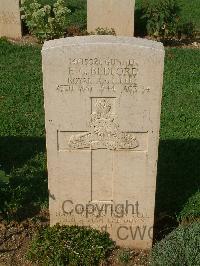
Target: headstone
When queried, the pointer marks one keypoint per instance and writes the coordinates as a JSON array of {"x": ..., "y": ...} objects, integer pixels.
[
  {"x": 10, "y": 22},
  {"x": 102, "y": 105},
  {"x": 116, "y": 14}
]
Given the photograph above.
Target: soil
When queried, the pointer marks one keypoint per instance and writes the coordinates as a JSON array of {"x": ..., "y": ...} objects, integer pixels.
[
  {"x": 182, "y": 43},
  {"x": 137, "y": 258},
  {"x": 26, "y": 40},
  {"x": 16, "y": 236}
]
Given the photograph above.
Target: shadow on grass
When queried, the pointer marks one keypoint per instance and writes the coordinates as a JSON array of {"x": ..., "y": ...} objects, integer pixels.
[
  {"x": 24, "y": 160},
  {"x": 140, "y": 24},
  {"x": 16, "y": 151},
  {"x": 178, "y": 179}
]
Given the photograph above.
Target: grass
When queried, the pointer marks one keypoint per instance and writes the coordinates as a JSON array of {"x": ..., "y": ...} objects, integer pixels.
[
  {"x": 178, "y": 165},
  {"x": 22, "y": 141},
  {"x": 22, "y": 134},
  {"x": 190, "y": 11}
]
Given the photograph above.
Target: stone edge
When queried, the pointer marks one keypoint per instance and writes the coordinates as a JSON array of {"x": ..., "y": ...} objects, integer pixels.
[{"x": 103, "y": 39}]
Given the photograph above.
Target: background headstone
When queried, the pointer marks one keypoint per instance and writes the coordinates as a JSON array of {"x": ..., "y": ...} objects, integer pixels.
[
  {"x": 116, "y": 14},
  {"x": 10, "y": 21},
  {"x": 102, "y": 105}
]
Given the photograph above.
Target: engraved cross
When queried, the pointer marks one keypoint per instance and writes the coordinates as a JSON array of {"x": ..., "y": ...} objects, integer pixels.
[{"x": 103, "y": 138}]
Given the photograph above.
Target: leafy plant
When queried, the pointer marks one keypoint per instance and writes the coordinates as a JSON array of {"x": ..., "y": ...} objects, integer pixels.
[
  {"x": 70, "y": 245},
  {"x": 4, "y": 180},
  {"x": 46, "y": 21},
  {"x": 75, "y": 31},
  {"x": 104, "y": 31},
  {"x": 180, "y": 247},
  {"x": 124, "y": 256},
  {"x": 4, "y": 40},
  {"x": 191, "y": 210},
  {"x": 162, "y": 17},
  {"x": 187, "y": 30}
]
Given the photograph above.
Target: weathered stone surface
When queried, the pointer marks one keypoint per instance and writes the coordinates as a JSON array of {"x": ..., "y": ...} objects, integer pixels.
[
  {"x": 116, "y": 14},
  {"x": 102, "y": 105},
  {"x": 10, "y": 22}
]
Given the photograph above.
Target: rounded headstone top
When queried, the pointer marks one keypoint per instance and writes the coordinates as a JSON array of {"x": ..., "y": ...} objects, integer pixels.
[{"x": 102, "y": 39}]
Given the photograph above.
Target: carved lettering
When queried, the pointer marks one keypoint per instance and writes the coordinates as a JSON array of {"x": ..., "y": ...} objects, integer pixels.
[{"x": 98, "y": 74}]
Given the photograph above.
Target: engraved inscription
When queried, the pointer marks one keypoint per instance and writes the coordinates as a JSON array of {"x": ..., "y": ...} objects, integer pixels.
[
  {"x": 104, "y": 132},
  {"x": 97, "y": 74}
]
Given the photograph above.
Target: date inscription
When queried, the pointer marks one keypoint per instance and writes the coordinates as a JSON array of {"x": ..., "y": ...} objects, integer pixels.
[{"x": 87, "y": 75}]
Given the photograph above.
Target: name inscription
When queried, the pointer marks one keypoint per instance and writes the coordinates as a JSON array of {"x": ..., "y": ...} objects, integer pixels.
[{"x": 101, "y": 75}]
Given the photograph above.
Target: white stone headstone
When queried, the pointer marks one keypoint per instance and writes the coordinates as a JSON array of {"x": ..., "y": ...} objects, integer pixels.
[
  {"x": 102, "y": 105},
  {"x": 10, "y": 21},
  {"x": 116, "y": 14}
]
